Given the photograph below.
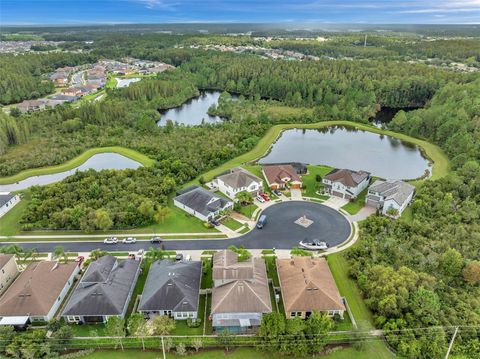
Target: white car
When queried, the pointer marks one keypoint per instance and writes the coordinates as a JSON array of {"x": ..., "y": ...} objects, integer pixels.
[
  {"x": 260, "y": 199},
  {"x": 129, "y": 240},
  {"x": 313, "y": 244},
  {"x": 110, "y": 240}
]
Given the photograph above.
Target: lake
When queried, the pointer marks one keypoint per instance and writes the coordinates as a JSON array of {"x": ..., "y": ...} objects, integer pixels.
[
  {"x": 126, "y": 82},
  {"x": 341, "y": 147},
  {"x": 100, "y": 161},
  {"x": 194, "y": 111}
]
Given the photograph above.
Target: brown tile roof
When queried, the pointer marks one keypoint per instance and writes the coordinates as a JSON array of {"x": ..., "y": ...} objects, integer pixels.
[
  {"x": 238, "y": 178},
  {"x": 246, "y": 295},
  {"x": 347, "y": 177},
  {"x": 227, "y": 267},
  {"x": 36, "y": 289},
  {"x": 4, "y": 259},
  {"x": 276, "y": 173},
  {"x": 307, "y": 284}
]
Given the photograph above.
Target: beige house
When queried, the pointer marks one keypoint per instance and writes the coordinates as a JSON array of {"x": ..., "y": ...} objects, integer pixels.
[
  {"x": 37, "y": 293},
  {"x": 240, "y": 295},
  {"x": 280, "y": 176},
  {"x": 307, "y": 285},
  {"x": 8, "y": 271}
]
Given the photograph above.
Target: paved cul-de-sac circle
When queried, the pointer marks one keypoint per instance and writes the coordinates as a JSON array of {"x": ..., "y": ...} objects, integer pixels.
[{"x": 281, "y": 231}]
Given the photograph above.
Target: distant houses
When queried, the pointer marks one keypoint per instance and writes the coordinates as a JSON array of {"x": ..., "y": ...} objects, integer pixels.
[
  {"x": 238, "y": 180},
  {"x": 346, "y": 183},
  {"x": 240, "y": 295},
  {"x": 281, "y": 176},
  {"x": 172, "y": 289},
  {"x": 7, "y": 202},
  {"x": 201, "y": 203},
  {"x": 104, "y": 291},
  {"x": 8, "y": 271},
  {"x": 391, "y": 197},
  {"x": 37, "y": 293}
]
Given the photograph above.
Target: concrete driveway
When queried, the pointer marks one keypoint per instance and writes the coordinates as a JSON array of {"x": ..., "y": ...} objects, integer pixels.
[{"x": 335, "y": 202}]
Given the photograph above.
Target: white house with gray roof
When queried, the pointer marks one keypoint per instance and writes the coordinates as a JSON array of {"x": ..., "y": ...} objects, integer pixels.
[
  {"x": 238, "y": 180},
  {"x": 388, "y": 195},
  {"x": 7, "y": 202},
  {"x": 172, "y": 288},
  {"x": 104, "y": 291},
  {"x": 201, "y": 203}
]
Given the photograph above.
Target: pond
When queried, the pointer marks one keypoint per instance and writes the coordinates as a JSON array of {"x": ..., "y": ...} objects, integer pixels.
[
  {"x": 194, "y": 111},
  {"x": 100, "y": 161},
  {"x": 126, "y": 82},
  {"x": 342, "y": 147}
]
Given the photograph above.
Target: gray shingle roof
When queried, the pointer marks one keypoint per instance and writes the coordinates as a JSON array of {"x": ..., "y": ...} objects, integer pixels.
[
  {"x": 397, "y": 190},
  {"x": 172, "y": 286},
  {"x": 4, "y": 198},
  {"x": 104, "y": 289},
  {"x": 202, "y": 201}
]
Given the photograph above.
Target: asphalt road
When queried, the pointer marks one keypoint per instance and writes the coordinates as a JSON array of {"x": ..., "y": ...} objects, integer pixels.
[{"x": 279, "y": 232}]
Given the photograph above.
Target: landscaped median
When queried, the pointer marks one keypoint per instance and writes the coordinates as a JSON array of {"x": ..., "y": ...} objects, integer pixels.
[
  {"x": 432, "y": 152},
  {"x": 77, "y": 161}
]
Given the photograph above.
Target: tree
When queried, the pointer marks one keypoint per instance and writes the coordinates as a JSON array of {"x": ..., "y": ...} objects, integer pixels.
[
  {"x": 197, "y": 343},
  {"x": 451, "y": 263},
  {"x": 224, "y": 338},
  {"x": 160, "y": 214},
  {"x": 163, "y": 325},
  {"x": 138, "y": 326},
  {"x": 245, "y": 198},
  {"x": 168, "y": 344},
  {"x": 271, "y": 329},
  {"x": 181, "y": 349},
  {"x": 115, "y": 327},
  {"x": 62, "y": 337},
  {"x": 146, "y": 208},
  {"x": 102, "y": 219},
  {"x": 97, "y": 253},
  {"x": 155, "y": 254},
  {"x": 59, "y": 252},
  {"x": 471, "y": 272},
  {"x": 317, "y": 327},
  {"x": 243, "y": 254}
]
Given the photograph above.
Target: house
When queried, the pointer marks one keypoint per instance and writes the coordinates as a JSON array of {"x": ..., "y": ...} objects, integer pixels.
[
  {"x": 390, "y": 195},
  {"x": 64, "y": 98},
  {"x": 60, "y": 78},
  {"x": 8, "y": 271},
  {"x": 72, "y": 91},
  {"x": 201, "y": 203},
  {"x": 346, "y": 183},
  {"x": 31, "y": 105},
  {"x": 239, "y": 180},
  {"x": 172, "y": 288},
  {"x": 37, "y": 293},
  {"x": 307, "y": 285},
  {"x": 7, "y": 202},
  {"x": 104, "y": 291},
  {"x": 279, "y": 176},
  {"x": 240, "y": 295}
]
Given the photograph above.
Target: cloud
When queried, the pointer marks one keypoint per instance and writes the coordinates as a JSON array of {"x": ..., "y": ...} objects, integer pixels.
[{"x": 154, "y": 4}]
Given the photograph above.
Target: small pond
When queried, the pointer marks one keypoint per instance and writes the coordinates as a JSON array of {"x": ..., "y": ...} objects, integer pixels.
[
  {"x": 343, "y": 147},
  {"x": 194, "y": 111},
  {"x": 100, "y": 161},
  {"x": 386, "y": 114},
  {"x": 126, "y": 82}
]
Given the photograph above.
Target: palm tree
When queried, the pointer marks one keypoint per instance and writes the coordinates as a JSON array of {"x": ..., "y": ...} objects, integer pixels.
[
  {"x": 155, "y": 254},
  {"x": 59, "y": 252}
]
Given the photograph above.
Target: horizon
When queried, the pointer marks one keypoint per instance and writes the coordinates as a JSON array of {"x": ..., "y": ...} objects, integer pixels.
[{"x": 282, "y": 12}]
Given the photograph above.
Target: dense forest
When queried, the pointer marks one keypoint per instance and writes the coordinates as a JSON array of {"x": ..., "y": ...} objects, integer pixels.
[
  {"x": 426, "y": 273},
  {"x": 22, "y": 77}
]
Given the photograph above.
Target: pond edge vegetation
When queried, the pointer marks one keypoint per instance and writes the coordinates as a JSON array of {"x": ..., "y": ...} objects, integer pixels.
[{"x": 77, "y": 161}]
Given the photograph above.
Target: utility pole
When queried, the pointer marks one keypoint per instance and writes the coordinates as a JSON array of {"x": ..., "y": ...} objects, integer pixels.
[
  {"x": 365, "y": 42},
  {"x": 451, "y": 343},
  {"x": 163, "y": 349}
]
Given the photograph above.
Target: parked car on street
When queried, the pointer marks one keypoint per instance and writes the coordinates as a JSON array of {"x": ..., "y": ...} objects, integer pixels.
[
  {"x": 129, "y": 240},
  {"x": 313, "y": 244},
  {"x": 155, "y": 240},
  {"x": 110, "y": 240},
  {"x": 261, "y": 222}
]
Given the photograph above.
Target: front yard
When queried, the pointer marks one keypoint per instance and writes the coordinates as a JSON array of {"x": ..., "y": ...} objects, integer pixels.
[
  {"x": 310, "y": 183},
  {"x": 357, "y": 204}
]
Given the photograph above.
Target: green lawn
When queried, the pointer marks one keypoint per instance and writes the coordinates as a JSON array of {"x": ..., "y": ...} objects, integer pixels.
[
  {"x": 232, "y": 224},
  {"x": 142, "y": 278},
  {"x": 10, "y": 222},
  {"x": 77, "y": 161},
  {"x": 272, "y": 269},
  {"x": 247, "y": 211},
  {"x": 311, "y": 186},
  {"x": 88, "y": 330},
  {"x": 206, "y": 273},
  {"x": 357, "y": 204},
  {"x": 407, "y": 215}
]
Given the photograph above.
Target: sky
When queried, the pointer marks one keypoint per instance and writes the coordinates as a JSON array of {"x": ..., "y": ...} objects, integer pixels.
[{"x": 76, "y": 12}]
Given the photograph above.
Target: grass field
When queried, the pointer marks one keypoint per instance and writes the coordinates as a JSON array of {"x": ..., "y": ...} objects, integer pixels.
[
  {"x": 10, "y": 222},
  {"x": 77, "y": 161},
  {"x": 232, "y": 224},
  {"x": 247, "y": 211},
  {"x": 357, "y": 204},
  {"x": 311, "y": 186}
]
